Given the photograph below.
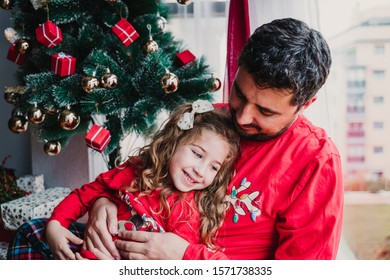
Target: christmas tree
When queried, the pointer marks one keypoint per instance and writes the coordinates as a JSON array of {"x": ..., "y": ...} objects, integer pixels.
[{"x": 109, "y": 65}]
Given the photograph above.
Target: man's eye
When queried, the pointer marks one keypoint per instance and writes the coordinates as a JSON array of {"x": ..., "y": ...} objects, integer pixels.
[
  {"x": 239, "y": 94},
  {"x": 267, "y": 114}
]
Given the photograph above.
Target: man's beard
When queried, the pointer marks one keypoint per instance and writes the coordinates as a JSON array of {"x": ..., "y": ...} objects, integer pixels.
[{"x": 259, "y": 136}]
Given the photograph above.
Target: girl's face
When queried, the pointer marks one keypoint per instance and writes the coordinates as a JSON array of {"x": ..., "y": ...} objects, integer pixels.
[{"x": 194, "y": 165}]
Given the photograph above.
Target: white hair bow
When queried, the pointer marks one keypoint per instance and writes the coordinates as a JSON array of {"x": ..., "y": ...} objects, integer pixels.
[{"x": 187, "y": 119}]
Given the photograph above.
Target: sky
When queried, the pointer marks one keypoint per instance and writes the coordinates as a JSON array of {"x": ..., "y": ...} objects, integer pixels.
[{"x": 335, "y": 15}]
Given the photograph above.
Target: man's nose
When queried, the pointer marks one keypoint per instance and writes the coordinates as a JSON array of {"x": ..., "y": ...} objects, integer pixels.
[{"x": 245, "y": 115}]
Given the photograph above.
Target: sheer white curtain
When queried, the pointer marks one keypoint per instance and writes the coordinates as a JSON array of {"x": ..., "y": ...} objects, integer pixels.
[
  {"x": 263, "y": 11},
  {"x": 203, "y": 30}
]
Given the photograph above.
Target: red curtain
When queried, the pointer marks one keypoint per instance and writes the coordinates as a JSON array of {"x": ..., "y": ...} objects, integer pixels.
[{"x": 238, "y": 33}]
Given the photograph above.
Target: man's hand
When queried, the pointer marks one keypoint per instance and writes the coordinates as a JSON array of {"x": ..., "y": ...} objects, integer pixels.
[
  {"x": 142, "y": 245},
  {"x": 102, "y": 225},
  {"x": 58, "y": 238}
]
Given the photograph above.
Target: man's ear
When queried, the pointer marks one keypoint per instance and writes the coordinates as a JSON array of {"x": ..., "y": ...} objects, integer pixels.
[{"x": 308, "y": 103}]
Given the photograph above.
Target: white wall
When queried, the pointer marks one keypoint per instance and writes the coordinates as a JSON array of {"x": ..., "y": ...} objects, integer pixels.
[{"x": 16, "y": 145}]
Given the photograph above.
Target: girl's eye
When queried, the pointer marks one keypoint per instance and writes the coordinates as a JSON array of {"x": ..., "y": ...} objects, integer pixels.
[
  {"x": 196, "y": 154},
  {"x": 214, "y": 168}
]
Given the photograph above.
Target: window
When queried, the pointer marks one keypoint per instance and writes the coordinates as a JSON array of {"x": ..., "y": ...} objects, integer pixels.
[
  {"x": 378, "y": 150},
  {"x": 379, "y": 99},
  {"x": 379, "y": 74},
  {"x": 379, "y": 49},
  {"x": 211, "y": 8},
  {"x": 355, "y": 130},
  {"x": 378, "y": 125}
]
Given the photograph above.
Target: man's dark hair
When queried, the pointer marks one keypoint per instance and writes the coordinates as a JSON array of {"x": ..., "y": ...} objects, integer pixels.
[{"x": 287, "y": 54}]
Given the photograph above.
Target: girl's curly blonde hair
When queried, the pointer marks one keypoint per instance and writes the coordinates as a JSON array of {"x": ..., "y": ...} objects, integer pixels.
[{"x": 152, "y": 166}]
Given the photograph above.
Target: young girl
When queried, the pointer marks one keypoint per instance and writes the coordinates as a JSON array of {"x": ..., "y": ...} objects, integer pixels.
[{"x": 177, "y": 183}]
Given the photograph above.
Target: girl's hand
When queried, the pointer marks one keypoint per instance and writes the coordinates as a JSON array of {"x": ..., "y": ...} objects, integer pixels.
[{"x": 58, "y": 238}]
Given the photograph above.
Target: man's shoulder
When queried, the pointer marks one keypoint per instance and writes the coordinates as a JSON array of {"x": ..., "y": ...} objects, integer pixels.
[{"x": 318, "y": 136}]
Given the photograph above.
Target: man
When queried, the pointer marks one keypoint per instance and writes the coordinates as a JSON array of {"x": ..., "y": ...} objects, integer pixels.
[{"x": 286, "y": 200}]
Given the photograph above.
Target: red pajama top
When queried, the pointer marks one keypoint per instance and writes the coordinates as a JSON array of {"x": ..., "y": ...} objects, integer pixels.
[
  {"x": 183, "y": 221},
  {"x": 285, "y": 201}
]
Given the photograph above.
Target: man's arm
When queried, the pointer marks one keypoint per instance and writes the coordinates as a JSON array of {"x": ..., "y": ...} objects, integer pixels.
[
  {"x": 311, "y": 227},
  {"x": 142, "y": 245}
]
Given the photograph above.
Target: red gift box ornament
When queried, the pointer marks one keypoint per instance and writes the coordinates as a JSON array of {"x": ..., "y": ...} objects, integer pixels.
[
  {"x": 49, "y": 34},
  {"x": 125, "y": 32},
  {"x": 16, "y": 56},
  {"x": 63, "y": 64},
  {"x": 98, "y": 138},
  {"x": 184, "y": 57}
]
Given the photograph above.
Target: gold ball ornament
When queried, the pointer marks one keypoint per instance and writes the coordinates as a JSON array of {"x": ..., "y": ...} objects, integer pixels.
[
  {"x": 22, "y": 45},
  {"x": 89, "y": 83},
  {"x": 151, "y": 46},
  {"x": 68, "y": 119},
  {"x": 169, "y": 82},
  {"x": 161, "y": 23},
  {"x": 52, "y": 148},
  {"x": 11, "y": 97},
  {"x": 6, "y": 4},
  {"x": 18, "y": 124},
  {"x": 184, "y": 2},
  {"x": 109, "y": 80},
  {"x": 217, "y": 84},
  {"x": 36, "y": 115}
]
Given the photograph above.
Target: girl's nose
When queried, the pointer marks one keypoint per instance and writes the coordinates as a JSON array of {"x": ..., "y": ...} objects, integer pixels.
[{"x": 199, "y": 169}]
